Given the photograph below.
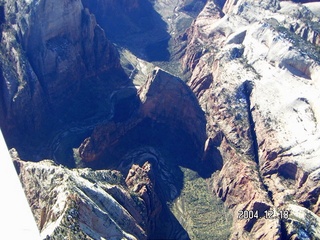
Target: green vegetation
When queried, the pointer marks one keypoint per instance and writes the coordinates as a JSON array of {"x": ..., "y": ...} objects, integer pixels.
[
  {"x": 104, "y": 176},
  {"x": 200, "y": 212},
  {"x": 303, "y": 45},
  {"x": 69, "y": 227}
]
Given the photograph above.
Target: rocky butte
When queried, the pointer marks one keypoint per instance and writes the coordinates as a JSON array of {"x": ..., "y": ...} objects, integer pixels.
[{"x": 154, "y": 119}]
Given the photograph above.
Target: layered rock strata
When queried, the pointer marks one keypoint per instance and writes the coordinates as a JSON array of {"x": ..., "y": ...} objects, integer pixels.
[
  {"x": 50, "y": 59},
  {"x": 249, "y": 124},
  {"x": 87, "y": 204},
  {"x": 256, "y": 77}
]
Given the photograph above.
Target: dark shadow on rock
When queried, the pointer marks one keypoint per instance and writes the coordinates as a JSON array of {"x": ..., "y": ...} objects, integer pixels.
[
  {"x": 220, "y": 3},
  {"x": 211, "y": 160},
  {"x": 193, "y": 7},
  {"x": 62, "y": 84},
  {"x": 168, "y": 227},
  {"x": 169, "y": 119},
  {"x": 168, "y": 129},
  {"x": 134, "y": 25},
  {"x": 97, "y": 96}
]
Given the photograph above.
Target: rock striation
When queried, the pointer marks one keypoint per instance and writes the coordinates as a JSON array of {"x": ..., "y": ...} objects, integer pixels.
[
  {"x": 88, "y": 204},
  {"x": 256, "y": 76},
  {"x": 245, "y": 118},
  {"x": 50, "y": 57}
]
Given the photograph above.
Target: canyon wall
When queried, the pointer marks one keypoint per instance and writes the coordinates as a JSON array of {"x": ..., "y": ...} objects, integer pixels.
[
  {"x": 237, "y": 106},
  {"x": 256, "y": 76},
  {"x": 57, "y": 67}
]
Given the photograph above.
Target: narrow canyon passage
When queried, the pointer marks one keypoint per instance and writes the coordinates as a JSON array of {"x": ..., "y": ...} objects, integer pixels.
[{"x": 164, "y": 118}]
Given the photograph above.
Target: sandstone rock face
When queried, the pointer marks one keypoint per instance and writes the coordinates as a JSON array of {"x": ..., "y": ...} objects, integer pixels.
[
  {"x": 256, "y": 77},
  {"x": 167, "y": 130},
  {"x": 165, "y": 102},
  {"x": 246, "y": 117},
  {"x": 52, "y": 56},
  {"x": 90, "y": 204},
  {"x": 178, "y": 105},
  {"x": 141, "y": 180}
]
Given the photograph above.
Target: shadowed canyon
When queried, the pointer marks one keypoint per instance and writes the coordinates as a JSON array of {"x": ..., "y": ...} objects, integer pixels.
[{"x": 164, "y": 119}]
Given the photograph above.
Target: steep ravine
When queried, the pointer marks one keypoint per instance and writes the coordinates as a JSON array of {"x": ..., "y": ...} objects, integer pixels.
[
  {"x": 101, "y": 97},
  {"x": 248, "y": 88},
  {"x": 227, "y": 46},
  {"x": 168, "y": 135},
  {"x": 202, "y": 214},
  {"x": 140, "y": 153},
  {"x": 53, "y": 76}
]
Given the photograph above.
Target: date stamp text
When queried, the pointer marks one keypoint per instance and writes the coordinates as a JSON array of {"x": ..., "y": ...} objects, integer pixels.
[{"x": 267, "y": 214}]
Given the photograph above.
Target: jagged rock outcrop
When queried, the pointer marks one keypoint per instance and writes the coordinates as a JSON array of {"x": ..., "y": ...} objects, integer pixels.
[
  {"x": 256, "y": 77},
  {"x": 167, "y": 99},
  {"x": 141, "y": 180},
  {"x": 239, "y": 185},
  {"x": 246, "y": 118},
  {"x": 52, "y": 53},
  {"x": 167, "y": 130},
  {"x": 166, "y": 103},
  {"x": 87, "y": 204}
]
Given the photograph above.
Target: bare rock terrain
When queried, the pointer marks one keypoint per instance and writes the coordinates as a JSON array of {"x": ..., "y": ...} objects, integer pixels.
[
  {"x": 221, "y": 95},
  {"x": 51, "y": 56},
  {"x": 259, "y": 90},
  {"x": 89, "y": 204}
]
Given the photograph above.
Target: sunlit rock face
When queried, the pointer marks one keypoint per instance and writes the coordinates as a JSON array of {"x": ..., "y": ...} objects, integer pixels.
[
  {"x": 167, "y": 129},
  {"x": 89, "y": 204},
  {"x": 255, "y": 71},
  {"x": 167, "y": 118},
  {"x": 245, "y": 116}
]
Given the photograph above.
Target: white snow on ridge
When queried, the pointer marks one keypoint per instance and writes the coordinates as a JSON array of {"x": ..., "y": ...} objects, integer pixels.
[{"x": 314, "y": 7}]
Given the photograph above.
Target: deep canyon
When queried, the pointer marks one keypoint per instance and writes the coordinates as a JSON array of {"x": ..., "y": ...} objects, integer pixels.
[{"x": 164, "y": 119}]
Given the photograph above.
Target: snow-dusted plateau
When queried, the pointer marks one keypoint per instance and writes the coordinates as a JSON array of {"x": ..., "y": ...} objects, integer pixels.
[{"x": 163, "y": 119}]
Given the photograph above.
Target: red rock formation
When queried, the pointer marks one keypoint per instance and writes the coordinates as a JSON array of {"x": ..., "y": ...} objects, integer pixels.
[
  {"x": 238, "y": 184},
  {"x": 141, "y": 181},
  {"x": 252, "y": 69},
  {"x": 196, "y": 38},
  {"x": 166, "y": 100},
  {"x": 103, "y": 138},
  {"x": 257, "y": 170}
]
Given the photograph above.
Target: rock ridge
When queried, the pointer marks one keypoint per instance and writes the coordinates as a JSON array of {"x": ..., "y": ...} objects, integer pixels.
[
  {"x": 166, "y": 101},
  {"x": 46, "y": 63},
  {"x": 245, "y": 119},
  {"x": 231, "y": 44},
  {"x": 90, "y": 204}
]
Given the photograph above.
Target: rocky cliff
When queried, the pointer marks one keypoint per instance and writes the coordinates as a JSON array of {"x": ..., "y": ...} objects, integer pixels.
[
  {"x": 86, "y": 204},
  {"x": 256, "y": 76},
  {"x": 50, "y": 59},
  {"x": 232, "y": 120},
  {"x": 165, "y": 102}
]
